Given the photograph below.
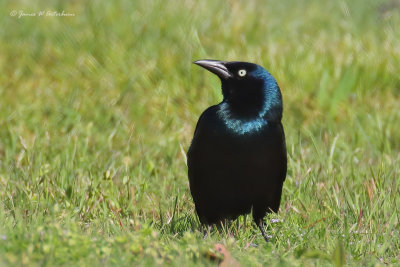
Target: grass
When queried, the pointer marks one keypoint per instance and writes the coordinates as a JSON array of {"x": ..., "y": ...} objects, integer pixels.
[{"x": 98, "y": 109}]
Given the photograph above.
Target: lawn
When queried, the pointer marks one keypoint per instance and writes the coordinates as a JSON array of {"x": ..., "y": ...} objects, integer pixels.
[{"x": 98, "y": 108}]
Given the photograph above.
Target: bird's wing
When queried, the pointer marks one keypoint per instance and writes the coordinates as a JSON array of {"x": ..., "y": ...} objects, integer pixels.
[
  {"x": 196, "y": 153},
  {"x": 283, "y": 153},
  {"x": 210, "y": 112}
]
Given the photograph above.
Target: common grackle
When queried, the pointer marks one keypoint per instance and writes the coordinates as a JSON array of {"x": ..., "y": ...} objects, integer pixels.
[{"x": 237, "y": 158}]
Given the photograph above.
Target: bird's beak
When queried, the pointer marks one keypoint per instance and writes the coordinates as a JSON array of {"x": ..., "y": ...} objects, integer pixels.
[{"x": 215, "y": 66}]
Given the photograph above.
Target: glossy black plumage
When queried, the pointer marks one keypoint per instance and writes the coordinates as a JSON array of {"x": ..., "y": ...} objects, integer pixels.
[{"x": 237, "y": 158}]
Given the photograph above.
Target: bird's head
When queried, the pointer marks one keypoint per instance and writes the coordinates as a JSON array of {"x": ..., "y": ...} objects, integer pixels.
[{"x": 249, "y": 90}]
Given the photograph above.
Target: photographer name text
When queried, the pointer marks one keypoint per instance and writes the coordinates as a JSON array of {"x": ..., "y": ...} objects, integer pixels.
[{"x": 43, "y": 13}]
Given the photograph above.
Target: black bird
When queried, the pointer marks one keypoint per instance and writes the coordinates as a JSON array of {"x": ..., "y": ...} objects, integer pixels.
[{"x": 237, "y": 158}]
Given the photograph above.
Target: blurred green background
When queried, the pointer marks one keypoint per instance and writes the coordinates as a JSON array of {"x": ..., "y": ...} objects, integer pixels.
[{"x": 98, "y": 109}]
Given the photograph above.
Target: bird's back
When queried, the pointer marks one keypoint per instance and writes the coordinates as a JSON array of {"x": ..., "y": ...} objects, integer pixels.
[{"x": 231, "y": 173}]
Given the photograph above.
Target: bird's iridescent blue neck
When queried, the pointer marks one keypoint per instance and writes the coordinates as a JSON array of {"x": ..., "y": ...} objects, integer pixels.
[{"x": 268, "y": 111}]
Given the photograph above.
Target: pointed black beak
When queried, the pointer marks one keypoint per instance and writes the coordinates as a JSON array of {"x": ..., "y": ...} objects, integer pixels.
[{"x": 215, "y": 66}]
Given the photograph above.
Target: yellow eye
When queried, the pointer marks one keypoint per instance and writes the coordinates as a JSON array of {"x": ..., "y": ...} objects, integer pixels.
[{"x": 242, "y": 73}]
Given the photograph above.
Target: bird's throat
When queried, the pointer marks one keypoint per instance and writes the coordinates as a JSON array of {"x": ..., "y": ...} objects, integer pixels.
[{"x": 242, "y": 124}]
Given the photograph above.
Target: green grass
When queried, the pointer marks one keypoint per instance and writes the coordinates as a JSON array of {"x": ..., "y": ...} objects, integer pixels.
[{"x": 97, "y": 111}]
